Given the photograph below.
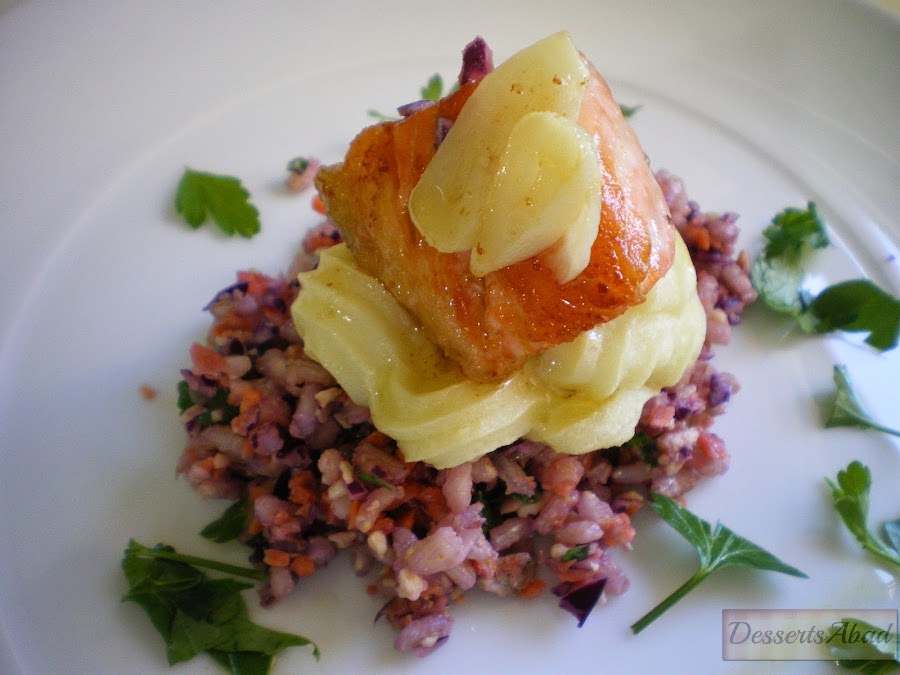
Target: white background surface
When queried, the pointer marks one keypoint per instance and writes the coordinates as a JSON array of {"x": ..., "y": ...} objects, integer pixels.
[{"x": 757, "y": 107}]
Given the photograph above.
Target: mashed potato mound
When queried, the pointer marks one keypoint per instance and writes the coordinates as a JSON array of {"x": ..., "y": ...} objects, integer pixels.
[{"x": 576, "y": 397}]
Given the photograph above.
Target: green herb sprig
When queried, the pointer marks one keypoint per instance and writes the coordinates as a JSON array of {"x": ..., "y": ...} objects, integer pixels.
[
  {"x": 628, "y": 111},
  {"x": 872, "y": 657},
  {"x": 717, "y": 546},
  {"x": 857, "y": 305},
  {"x": 230, "y": 524},
  {"x": 850, "y": 494},
  {"x": 196, "y": 614},
  {"x": 433, "y": 90},
  {"x": 845, "y": 409},
  {"x": 223, "y": 198}
]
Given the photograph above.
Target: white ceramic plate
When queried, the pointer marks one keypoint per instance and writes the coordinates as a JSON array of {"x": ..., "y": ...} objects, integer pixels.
[{"x": 757, "y": 106}]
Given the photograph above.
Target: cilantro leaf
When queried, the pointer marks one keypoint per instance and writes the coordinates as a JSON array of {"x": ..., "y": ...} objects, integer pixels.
[
  {"x": 229, "y": 525},
  {"x": 433, "y": 89},
  {"x": 851, "y": 500},
  {"x": 223, "y": 198},
  {"x": 846, "y": 410},
  {"x": 195, "y": 614},
  {"x": 875, "y": 653},
  {"x": 859, "y": 306},
  {"x": 717, "y": 546}
]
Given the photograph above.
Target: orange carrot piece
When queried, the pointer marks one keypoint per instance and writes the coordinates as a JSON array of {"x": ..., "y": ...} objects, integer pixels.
[
  {"x": 532, "y": 589},
  {"x": 257, "y": 283},
  {"x": 303, "y": 566},
  {"x": 318, "y": 242},
  {"x": 352, "y": 513},
  {"x": 207, "y": 361},
  {"x": 275, "y": 558},
  {"x": 317, "y": 204}
]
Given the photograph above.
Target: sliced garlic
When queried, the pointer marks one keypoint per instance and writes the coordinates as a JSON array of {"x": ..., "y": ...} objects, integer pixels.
[{"x": 516, "y": 175}]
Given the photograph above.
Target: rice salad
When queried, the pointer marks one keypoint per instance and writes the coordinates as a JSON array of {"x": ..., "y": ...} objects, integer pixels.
[{"x": 270, "y": 428}]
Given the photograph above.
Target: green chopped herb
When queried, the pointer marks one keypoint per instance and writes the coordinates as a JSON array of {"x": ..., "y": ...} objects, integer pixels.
[
  {"x": 433, "y": 89},
  {"x": 576, "y": 553},
  {"x": 645, "y": 446},
  {"x": 851, "y": 500},
  {"x": 846, "y": 410},
  {"x": 367, "y": 477},
  {"x": 218, "y": 410},
  {"x": 717, "y": 546},
  {"x": 491, "y": 500},
  {"x": 229, "y": 525},
  {"x": 185, "y": 400},
  {"x": 298, "y": 165},
  {"x": 890, "y": 530},
  {"x": 533, "y": 498},
  {"x": 794, "y": 232},
  {"x": 195, "y": 614},
  {"x": 380, "y": 116},
  {"x": 777, "y": 272},
  {"x": 858, "y": 645},
  {"x": 222, "y": 198},
  {"x": 628, "y": 110},
  {"x": 856, "y": 305}
]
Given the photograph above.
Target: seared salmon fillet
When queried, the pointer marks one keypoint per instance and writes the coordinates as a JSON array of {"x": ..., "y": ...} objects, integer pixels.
[{"x": 490, "y": 325}]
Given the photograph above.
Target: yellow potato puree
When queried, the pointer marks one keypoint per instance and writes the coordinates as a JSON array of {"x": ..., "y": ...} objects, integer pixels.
[{"x": 576, "y": 397}]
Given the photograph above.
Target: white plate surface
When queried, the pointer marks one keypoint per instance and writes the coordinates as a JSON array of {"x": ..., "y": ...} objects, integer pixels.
[{"x": 757, "y": 106}]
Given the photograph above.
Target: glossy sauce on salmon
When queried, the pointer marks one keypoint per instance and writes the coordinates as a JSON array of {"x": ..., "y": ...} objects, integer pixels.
[{"x": 490, "y": 325}]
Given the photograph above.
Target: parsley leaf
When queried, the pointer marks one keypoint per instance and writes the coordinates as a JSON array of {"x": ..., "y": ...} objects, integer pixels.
[
  {"x": 576, "y": 553},
  {"x": 185, "y": 400},
  {"x": 717, "y": 546},
  {"x": 851, "y": 500},
  {"x": 777, "y": 272},
  {"x": 229, "y": 525},
  {"x": 793, "y": 232},
  {"x": 859, "y": 306},
  {"x": 196, "y": 614},
  {"x": 380, "y": 116},
  {"x": 628, "y": 110},
  {"x": 223, "y": 198},
  {"x": 433, "y": 89},
  {"x": 874, "y": 653},
  {"x": 372, "y": 479},
  {"x": 846, "y": 410}
]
